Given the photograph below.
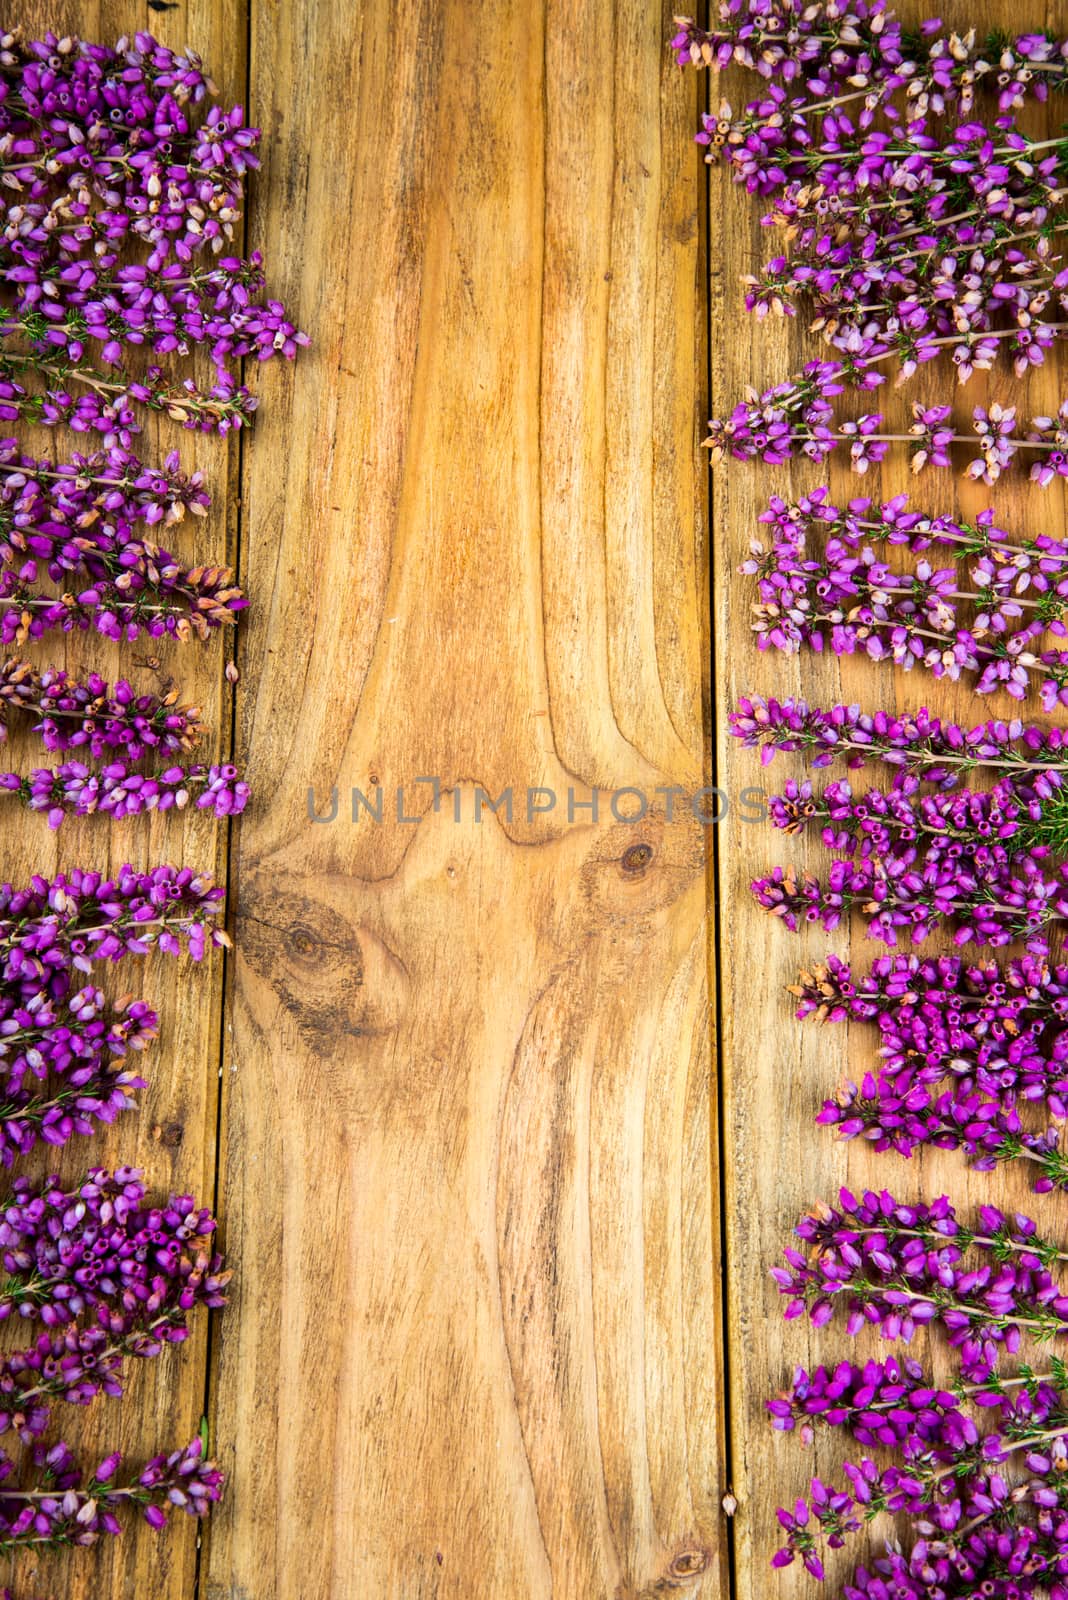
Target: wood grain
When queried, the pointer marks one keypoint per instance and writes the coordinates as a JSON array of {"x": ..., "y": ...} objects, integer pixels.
[
  {"x": 776, "y": 1072},
  {"x": 468, "y": 1095}
]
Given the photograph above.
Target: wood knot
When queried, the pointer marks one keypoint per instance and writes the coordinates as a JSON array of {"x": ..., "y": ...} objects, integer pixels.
[
  {"x": 169, "y": 1134},
  {"x": 636, "y": 858},
  {"x": 689, "y": 1563},
  {"x": 303, "y": 942},
  {"x": 334, "y": 978}
]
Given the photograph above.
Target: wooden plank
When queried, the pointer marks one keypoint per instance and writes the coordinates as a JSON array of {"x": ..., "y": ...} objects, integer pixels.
[
  {"x": 173, "y": 1136},
  {"x": 468, "y": 1113},
  {"x": 777, "y": 1072}
]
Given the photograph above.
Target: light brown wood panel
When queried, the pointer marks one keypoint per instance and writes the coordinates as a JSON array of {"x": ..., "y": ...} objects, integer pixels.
[
  {"x": 173, "y": 1135},
  {"x": 776, "y": 1071},
  {"x": 469, "y": 1101}
]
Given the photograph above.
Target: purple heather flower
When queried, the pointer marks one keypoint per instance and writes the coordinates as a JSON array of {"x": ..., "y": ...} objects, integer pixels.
[
  {"x": 91, "y": 716},
  {"x": 842, "y": 593},
  {"x": 916, "y": 746},
  {"x": 975, "y": 1463},
  {"x": 104, "y": 151},
  {"x": 101, "y": 1246},
  {"x": 896, "y": 1266},
  {"x": 71, "y": 789},
  {"x": 79, "y": 917},
  {"x": 67, "y": 1506}
]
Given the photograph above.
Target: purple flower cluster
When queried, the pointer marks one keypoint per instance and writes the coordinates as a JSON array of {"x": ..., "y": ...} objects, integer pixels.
[
  {"x": 137, "y": 589},
  {"x": 90, "y": 517},
  {"x": 108, "y": 486},
  {"x": 1022, "y": 812},
  {"x": 906, "y": 242},
  {"x": 916, "y": 746},
  {"x": 133, "y": 1272},
  {"x": 62, "y": 1065},
  {"x": 916, "y": 227},
  {"x": 993, "y": 864},
  {"x": 796, "y": 419},
  {"x": 87, "y": 517},
  {"x": 910, "y": 897},
  {"x": 101, "y": 1245},
  {"x": 846, "y": 66},
  {"x": 896, "y": 1267},
  {"x": 53, "y": 927},
  {"x": 999, "y": 1002},
  {"x": 911, "y": 242},
  {"x": 71, "y": 789},
  {"x": 965, "y": 1053},
  {"x": 75, "y": 545},
  {"x": 63, "y": 1046},
  {"x": 952, "y": 1472},
  {"x": 68, "y": 1507},
  {"x": 977, "y": 1464},
  {"x": 88, "y": 715},
  {"x": 120, "y": 211},
  {"x": 842, "y": 593},
  {"x": 101, "y": 149}
]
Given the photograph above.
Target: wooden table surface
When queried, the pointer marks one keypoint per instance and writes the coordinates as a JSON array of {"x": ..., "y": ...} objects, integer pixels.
[{"x": 501, "y": 1327}]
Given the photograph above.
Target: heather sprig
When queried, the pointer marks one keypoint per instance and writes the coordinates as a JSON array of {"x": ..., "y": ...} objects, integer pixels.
[
  {"x": 840, "y": 69},
  {"x": 911, "y": 248},
  {"x": 794, "y": 42},
  {"x": 1025, "y": 811},
  {"x": 91, "y": 716},
  {"x": 895, "y": 1267},
  {"x": 74, "y": 1364},
  {"x": 60, "y": 310},
  {"x": 133, "y": 1271},
  {"x": 987, "y": 1128},
  {"x": 102, "y": 1244},
  {"x": 863, "y": 51},
  {"x": 107, "y": 406},
  {"x": 992, "y": 290},
  {"x": 917, "y": 890},
  {"x": 839, "y": 591},
  {"x": 965, "y": 1052},
  {"x": 1000, "y": 1028},
  {"x": 977, "y": 1464},
  {"x": 65, "y": 1111},
  {"x": 1000, "y": 1001},
  {"x": 138, "y": 578},
  {"x": 72, "y": 789},
  {"x": 55, "y": 926},
  {"x": 917, "y": 746},
  {"x": 105, "y": 546},
  {"x": 73, "y": 1035},
  {"x": 1039, "y": 561},
  {"x": 795, "y": 419},
  {"x": 63, "y": 1046},
  {"x": 66, "y": 1507},
  {"x": 193, "y": 607},
  {"x": 108, "y": 487},
  {"x": 91, "y": 518},
  {"x": 100, "y": 149},
  {"x": 63, "y": 1065},
  {"x": 991, "y": 863}
]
